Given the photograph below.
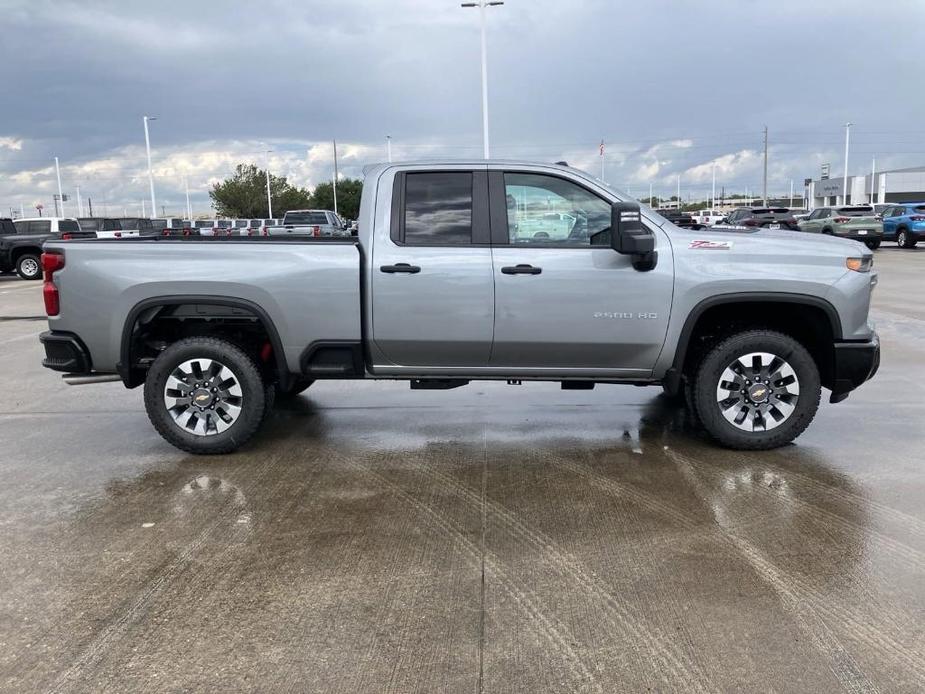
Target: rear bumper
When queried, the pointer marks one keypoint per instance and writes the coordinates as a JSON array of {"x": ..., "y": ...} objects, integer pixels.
[
  {"x": 855, "y": 363},
  {"x": 65, "y": 352}
]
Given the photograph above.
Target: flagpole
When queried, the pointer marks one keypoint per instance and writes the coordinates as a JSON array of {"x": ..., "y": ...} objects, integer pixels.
[{"x": 602, "y": 160}]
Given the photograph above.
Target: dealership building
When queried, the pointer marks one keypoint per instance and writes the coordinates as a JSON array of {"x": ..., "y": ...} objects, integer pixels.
[{"x": 898, "y": 185}]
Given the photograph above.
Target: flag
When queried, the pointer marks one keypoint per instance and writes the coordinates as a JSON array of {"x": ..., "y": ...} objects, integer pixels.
[{"x": 602, "y": 148}]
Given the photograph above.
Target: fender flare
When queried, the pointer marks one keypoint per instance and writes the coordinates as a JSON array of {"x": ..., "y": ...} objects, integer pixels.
[
  {"x": 672, "y": 379},
  {"x": 125, "y": 357}
]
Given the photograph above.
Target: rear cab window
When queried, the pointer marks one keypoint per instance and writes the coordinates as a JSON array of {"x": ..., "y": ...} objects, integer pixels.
[
  {"x": 313, "y": 218},
  {"x": 437, "y": 209},
  {"x": 67, "y": 225}
]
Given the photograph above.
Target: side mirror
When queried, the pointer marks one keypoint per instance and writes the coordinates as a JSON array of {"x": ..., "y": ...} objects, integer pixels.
[{"x": 628, "y": 236}]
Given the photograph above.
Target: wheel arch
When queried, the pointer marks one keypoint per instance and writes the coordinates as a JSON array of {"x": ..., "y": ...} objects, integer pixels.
[
  {"x": 133, "y": 377},
  {"x": 808, "y": 318},
  {"x": 19, "y": 251}
]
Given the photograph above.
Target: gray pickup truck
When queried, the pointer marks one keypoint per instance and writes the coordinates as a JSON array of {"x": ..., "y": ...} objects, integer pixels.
[{"x": 465, "y": 271}]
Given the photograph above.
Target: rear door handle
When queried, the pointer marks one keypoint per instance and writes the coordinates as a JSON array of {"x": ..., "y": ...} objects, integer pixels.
[
  {"x": 521, "y": 270},
  {"x": 400, "y": 267}
]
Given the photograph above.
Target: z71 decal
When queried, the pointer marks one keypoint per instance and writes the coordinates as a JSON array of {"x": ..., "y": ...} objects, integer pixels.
[{"x": 705, "y": 245}]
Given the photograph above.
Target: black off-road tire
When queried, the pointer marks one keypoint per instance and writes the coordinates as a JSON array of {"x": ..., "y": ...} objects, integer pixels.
[
  {"x": 245, "y": 371},
  {"x": 29, "y": 266},
  {"x": 294, "y": 388},
  {"x": 710, "y": 371}
]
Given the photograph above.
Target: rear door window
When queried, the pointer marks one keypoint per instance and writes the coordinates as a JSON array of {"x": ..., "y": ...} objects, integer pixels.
[
  {"x": 68, "y": 225},
  {"x": 40, "y": 226},
  {"x": 438, "y": 209}
]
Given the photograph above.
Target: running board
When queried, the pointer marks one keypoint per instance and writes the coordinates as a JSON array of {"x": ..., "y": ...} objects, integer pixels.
[
  {"x": 437, "y": 383},
  {"x": 84, "y": 379}
]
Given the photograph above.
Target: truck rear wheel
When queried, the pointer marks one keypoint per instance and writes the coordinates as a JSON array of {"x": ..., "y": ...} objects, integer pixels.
[
  {"x": 29, "y": 267},
  {"x": 757, "y": 390},
  {"x": 205, "y": 395}
]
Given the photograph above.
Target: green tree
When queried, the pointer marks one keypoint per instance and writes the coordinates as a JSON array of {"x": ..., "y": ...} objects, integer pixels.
[
  {"x": 244, "y": 195},
  {"x": 348, "y": 197}
]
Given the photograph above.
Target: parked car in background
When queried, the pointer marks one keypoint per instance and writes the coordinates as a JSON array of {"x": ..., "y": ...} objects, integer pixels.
[
  {"x": 171, "y": 226},
  {"x": 858, "y": 222},
  {"x": 680, "y": 219},
  {"x": 213, "y": 227},
  {"x": 239, "y": 227},
  {"x": 764, "y": 217},
  {"x": 708, "y": 217},
  {"x": 316, "y": 223},
  {"x": 904, "y": 223},
  {"x": 21, "y": 242},
  {"x": 137, "y": 226},
  {"x": 102, "y": 227},
  {"x": 258, "y": 227}
]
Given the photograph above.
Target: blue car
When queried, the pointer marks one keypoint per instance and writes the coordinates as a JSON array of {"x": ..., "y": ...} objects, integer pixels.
[{"x": 904, "y": 223}]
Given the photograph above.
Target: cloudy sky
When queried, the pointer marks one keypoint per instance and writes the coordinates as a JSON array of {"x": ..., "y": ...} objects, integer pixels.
[{"x": 672, "y": 87}]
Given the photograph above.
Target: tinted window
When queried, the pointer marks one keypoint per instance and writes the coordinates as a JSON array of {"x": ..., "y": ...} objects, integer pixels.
[
  {"x": 550, "y": 210},
  {"x": 438, "y": 208},
  {"x": 159, "y": 224},
  {"x": 21, "y": 227},
  {"x": 68, "y": 225},
  {"x": 204, "y": 224},
  {"x": 111, "y": 225},
  {"x": 255, "y": 222},
  {"x": 40, "y": 226},
  {"x": 856, "y": 211},
  {"x": 89, "y": 224},
  {"x": 240, "y": 223},
  {"x": 313, "y": 218}
]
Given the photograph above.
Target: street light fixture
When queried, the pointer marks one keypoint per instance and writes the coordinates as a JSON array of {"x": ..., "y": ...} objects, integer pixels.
[
  {"x": 150, "y": 172},
  {"x": 482, "y": 4}
]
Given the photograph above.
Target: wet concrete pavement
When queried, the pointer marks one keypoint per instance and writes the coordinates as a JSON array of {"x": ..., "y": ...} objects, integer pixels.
[{"x": 493, "y": 538}]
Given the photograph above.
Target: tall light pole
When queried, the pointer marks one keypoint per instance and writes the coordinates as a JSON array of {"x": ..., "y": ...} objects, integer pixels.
[
  {"x": 679, "y": 191},
  {"x": 650, "y": 197},
  {"x": 189, "y": 211},
  {"x": 150, "y": 172},
  {"x": 713, "y": 195},
  {"x": 873, "y": 173},
  {"x": 60, "y": 195},
  {"x": 844, "y": 192},
  {"x": 764, "y": 189},
  {"x": 335, "y": 175},
  {"x": 80, "y": 205},
  {"x": 388, "y": 145},
  {"x": 482, "y": 4},
  {"x": 266, "y": 160}
]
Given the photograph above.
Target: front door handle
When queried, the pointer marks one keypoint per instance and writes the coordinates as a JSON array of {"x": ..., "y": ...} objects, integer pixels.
[
  {"x": 400, "y": 267},
  {"x": 521, "y": 270}
]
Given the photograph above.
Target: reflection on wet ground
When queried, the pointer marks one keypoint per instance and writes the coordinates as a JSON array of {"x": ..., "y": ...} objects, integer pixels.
[{"x": 502, "y": 538}]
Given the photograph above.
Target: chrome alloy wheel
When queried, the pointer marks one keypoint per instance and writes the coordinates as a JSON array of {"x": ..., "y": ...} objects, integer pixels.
[
  {"x": 758, "y": 392},
  {"x": 30, "y": 267},
  {"x": 203, "y": 396}
]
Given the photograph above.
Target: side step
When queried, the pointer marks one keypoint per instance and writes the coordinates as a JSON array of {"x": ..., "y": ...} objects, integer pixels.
[
  {"x": 577, "y": 385},
  {"x": 437, "y": 383}
]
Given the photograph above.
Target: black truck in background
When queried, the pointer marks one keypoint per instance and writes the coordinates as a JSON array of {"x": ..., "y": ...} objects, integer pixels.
[{"x": 21, "y": 243}]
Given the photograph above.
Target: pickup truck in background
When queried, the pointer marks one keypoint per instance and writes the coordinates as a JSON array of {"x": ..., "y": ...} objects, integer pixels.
[
  {"x": 449, "y": 282},
  {"x": 313, "y": 223},
  {"x": 21, "y": 242}
]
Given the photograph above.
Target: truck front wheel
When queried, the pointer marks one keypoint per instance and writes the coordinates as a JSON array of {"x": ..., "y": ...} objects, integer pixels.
[
  {"x": 757, "y": 390},
  {"x": 205, "y": 395},
  {"x": 29, "y": 267}
]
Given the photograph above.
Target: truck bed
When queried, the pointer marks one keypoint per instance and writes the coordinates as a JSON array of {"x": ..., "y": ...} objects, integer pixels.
[{"x": 308, "y": 288}]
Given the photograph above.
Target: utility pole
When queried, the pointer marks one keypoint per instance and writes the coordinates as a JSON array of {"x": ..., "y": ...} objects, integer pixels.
[
  {"x": 335, "y": 175},
  {"x": 266, "y": 159},
  {"x": 60, "y": 194},
  {"x": 845, "y": 186},
  {"x": 90, "y": 205},
  {"x": 679, "y": 191},
  {"x": 150, "y": 172},
  {"x": 482, "y": 4},
  {"x": 189, "y": 212},
  {"x": 80, "y": 205},
  {"x": 650, "y": 197},
  {"x": 143, "y": 212},
  {"x": 388, "y": 145},
  {"x": 765, "y": 186}
]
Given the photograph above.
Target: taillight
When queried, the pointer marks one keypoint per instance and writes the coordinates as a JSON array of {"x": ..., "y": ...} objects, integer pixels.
[
  {"x": 118, "y": 234},
  {"x": 65, "y": 236},
  {"x": 841, "y": 220},
  {"x": 265, "y": 231},
  {"x": 51, "y": 263},
  {"x": 166, "y": 232}
]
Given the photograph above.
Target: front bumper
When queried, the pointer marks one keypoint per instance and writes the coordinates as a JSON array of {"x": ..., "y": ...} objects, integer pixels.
[
  {"x": 855, "y": 363},
  {"x": 65, "y": 352}
]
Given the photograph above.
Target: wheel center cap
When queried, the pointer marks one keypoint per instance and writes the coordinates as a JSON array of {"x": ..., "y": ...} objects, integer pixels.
[
  {"x": 202, "y": 398},
  {"x": 759, "y": 392}
]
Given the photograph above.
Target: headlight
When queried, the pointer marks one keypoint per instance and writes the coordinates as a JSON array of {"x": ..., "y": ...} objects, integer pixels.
[{"x": 860, "y": 264}]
